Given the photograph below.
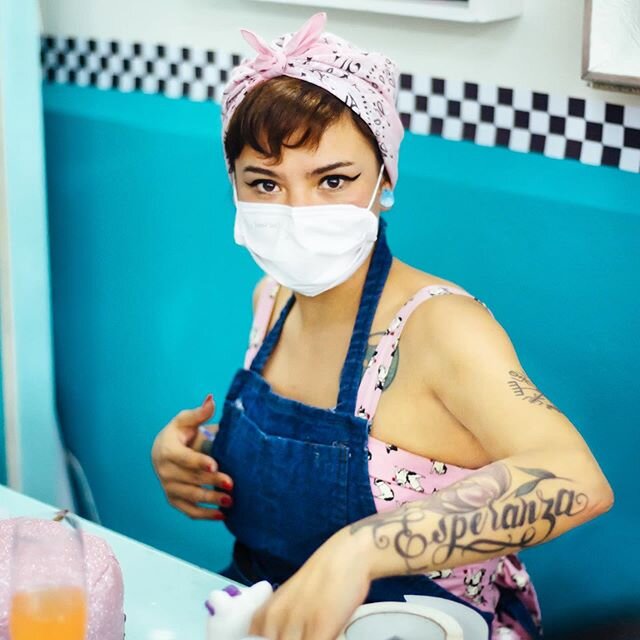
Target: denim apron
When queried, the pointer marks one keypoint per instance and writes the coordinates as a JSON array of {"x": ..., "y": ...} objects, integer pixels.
[{"x": 301, "y": 472}]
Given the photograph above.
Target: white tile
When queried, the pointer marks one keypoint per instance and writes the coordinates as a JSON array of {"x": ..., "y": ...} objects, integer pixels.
[
  {"x": 420, "y": 123},
  {"x": 591, "y": 152},
  {"x": 186, "y": 71},
  {"x": 82, "y": 77},
  {"x": 632, "y": 117},
  {"x": 198, "y": 91},
  {"x": 104, "y": 81},
  {"x": 630, "y": 160},
  {"x": 223, "y": 60},
  {"x": 486, "y": 134},
  {"x": 539, "y": 122},
  {"x": 470, "y": 111},
  {"x": 452, "y": 129},
  {"x": 555, "y": 146},
  {"x": 558, "y": 105},
  {"x": 519, "y": 140},
  {"x": 503, "y": 116},
  {"x": 126, "y": 82},
  {"x": 198, "y": 57},
  {"x": 454, "y": 89},
  {"x": 488, "y": 94},
  {"x": 126, "y": 49},
  {"x": 575, "y": 128},
  {"x": 149, "y": 51},
  {"x": 173, "y": 88},
  {"x": 138, "y": 67},
  {"x": 173, "y": 52},
  {"x": 406, "y": 99},
  {"x": 161, "y": 68},
  {"x": 437, "y": 106},
  {"x": 149, "y": 84},
  {"x": 612, "y": 135},
  {"x": 421, "y": 84},
  {"x": 594, "y": 110},
  {"x": 522, "y": 99}
]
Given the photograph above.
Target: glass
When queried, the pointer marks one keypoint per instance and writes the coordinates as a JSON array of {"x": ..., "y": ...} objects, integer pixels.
[{"x": 48, "y": 582}]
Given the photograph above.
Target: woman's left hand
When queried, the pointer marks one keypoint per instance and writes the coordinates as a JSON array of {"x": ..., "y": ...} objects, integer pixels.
[{"x": 318, "y": 600}]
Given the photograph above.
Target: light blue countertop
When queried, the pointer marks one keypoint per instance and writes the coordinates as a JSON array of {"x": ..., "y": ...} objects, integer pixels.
[{"x": 161, "y": 592}]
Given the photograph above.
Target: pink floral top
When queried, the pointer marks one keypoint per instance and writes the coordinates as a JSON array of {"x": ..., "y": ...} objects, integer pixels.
[{"x": 398, "y": 476}]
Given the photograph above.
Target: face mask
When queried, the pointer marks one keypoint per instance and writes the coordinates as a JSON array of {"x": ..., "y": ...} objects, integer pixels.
[{"x": 307, "y": 249}]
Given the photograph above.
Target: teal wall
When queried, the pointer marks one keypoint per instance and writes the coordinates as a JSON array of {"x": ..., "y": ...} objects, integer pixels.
[
  {"x": 3, "y": 454},
  {"x": 152, "y": 305}
]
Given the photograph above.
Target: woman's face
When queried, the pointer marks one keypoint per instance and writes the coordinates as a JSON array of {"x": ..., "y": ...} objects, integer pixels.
[{"x": 343, "y": 169}]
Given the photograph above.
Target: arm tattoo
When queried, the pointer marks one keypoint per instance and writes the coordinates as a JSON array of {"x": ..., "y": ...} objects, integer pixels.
[
  {"x": 525, "y": 389},
  {"x": 393, "y": 366},
  {"x": 477, "y": 514}
]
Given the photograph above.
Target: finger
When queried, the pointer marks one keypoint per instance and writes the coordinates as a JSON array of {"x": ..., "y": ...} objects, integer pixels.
[
  {"x": 196, "y": 513},
  {"x": 170, "y": 472},
  {"x": 194, "y": 460},
  {"x": 194, "y": 494},
  {"x": 190, "y": 418}
]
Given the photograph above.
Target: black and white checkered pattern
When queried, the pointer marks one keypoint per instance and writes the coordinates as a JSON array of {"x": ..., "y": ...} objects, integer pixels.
[{"x": 592, "y": 131}]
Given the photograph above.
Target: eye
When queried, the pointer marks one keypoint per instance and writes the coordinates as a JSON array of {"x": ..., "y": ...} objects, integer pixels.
[
  {"x": 268, "y": 185},
  {"x": 336, "y": 182}
]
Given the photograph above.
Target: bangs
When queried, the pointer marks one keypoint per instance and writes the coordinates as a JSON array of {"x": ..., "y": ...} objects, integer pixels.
[{"x": 287, "y": 112}]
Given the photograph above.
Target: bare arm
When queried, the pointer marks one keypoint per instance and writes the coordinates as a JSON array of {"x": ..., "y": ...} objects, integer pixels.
[{"x": 543, "y": 480}]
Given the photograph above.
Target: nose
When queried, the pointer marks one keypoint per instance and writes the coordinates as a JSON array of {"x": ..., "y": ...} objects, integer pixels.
[{"x": 299, "y": 197}]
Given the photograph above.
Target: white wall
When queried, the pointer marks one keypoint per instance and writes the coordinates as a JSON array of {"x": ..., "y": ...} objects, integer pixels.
[{"x": 541, "y": 50}]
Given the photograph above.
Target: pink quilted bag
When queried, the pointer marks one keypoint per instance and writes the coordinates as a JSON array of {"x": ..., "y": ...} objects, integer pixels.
[{"x": 103, "y": 576}]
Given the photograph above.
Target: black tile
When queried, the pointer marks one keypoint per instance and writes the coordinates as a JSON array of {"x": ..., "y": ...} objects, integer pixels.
[
  {"x": 521, "y": 119},
  {"x": 173, "y": 69},
  {"x": 115, "y": 81},
  {"x": 197, "y": 71},
  {"x": 235, "y": 59},
  {"x": 223, "y": 75},
  {"x": 93, "y": 45},
  {"x": 614, "y": 113},
  {"x": 82, "y": 61},
  {"x": 537, "y": 143},
  {"x": 138, "y": 83},
  {"x": 51, "y": 74},
  {"x": 437, "y": 125},
  {"x": 470, "y": 91},
  {"x": 487, "y": 113},
  {"x": 149, "y": 66},
  {"x": 137, "y": 49},
  {"x": 71, "y": 75},
  {"x": 406, "y": 81},
  {"x": 556, "y": 125},
  {"x": 114, "y": 47},
  {"x": 503, "y": 137},
  {"x": 453, "y": 108},
  {"x": 611, "y": 156},
  {"x": 126, "y": 64},
  {"x": 632, "y": 138},
  {"x": 185, "y": 89},
  {"x": 186, "y": 53},
  {"x": 211, "y": 92},
  {"x": 71, "y": 44},
  {"x": 50, "y": 42},
  {"x": 573, "y": 149},
  {"x": 540, "y": 101},
  {"x": 104, "y": 62},
  {"x": 406, "y": 120},
  {"x": 162, "y": 85},
  {"x": 469, "y": 131},
  {"x": 161, "y": 51},
  {"x": 211, "y": 57},
  {"x": 437, "y": 86},
  {"x": 60, "y": 58},
  {"x": 576, "y": 107},
  {"x": 594, "y": 131},
  {"x": 505, "y": 96},
  {"x": 421, "y": 103},
  {"x": 93, "y": 78}
]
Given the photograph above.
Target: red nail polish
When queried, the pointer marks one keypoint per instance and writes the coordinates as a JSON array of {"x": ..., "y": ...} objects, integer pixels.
[
  {"x": 227, "y": 485},
  {"x": 210, "y": 396},
  {"x": 226, "y": 501}
]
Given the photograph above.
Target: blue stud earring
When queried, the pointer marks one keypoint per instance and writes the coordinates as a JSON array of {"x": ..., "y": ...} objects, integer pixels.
[{"x": 387, "y": 198}]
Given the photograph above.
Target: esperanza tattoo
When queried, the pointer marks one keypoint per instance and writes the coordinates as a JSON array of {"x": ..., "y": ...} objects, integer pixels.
[
  {"x": 522, "y": 386},
  {"x": 478, "y": 514}
]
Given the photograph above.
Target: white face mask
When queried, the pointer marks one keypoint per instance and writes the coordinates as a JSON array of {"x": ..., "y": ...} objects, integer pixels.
[{"x": 307, "y": 249}]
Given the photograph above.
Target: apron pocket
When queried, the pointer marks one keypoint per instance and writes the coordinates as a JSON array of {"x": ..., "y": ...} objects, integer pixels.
[{"x": 289, "y": 495}]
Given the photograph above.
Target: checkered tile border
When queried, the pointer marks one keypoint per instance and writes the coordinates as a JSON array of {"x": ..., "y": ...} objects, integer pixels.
[{"x": 592, "y": 131}]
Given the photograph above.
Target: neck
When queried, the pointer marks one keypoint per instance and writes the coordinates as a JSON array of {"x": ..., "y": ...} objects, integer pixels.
[{"x": 337, "y": 306}]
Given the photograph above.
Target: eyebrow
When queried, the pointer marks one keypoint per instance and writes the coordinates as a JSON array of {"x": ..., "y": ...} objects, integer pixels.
[{"x": 315, "y": 172}]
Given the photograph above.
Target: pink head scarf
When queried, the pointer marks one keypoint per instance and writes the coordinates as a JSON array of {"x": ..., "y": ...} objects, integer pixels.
[{"x": 365, "y": 81}]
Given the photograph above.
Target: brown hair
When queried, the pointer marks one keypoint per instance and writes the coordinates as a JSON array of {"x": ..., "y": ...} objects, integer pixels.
[{"x": 280, "y": 107}]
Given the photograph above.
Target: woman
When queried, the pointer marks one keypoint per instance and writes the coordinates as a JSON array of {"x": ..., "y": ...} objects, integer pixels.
[{"x": 346, "y": 473}]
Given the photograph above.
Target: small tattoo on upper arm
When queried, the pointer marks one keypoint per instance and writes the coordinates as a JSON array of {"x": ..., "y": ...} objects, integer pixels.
[
  {"x": 386, "y": 376},
  {"x": 525, "y": 389}
]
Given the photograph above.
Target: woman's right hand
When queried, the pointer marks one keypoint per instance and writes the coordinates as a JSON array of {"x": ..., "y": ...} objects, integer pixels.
[{"x": 183, "y": 471}]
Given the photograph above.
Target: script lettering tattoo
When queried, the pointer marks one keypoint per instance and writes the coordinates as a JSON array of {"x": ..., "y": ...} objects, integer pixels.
[
  {"x": 525, "y": 389},
  {"x": 478, "y": 514}
]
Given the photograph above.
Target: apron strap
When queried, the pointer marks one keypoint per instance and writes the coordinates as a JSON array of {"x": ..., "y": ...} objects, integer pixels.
[{"x": 376, "y": 278}]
